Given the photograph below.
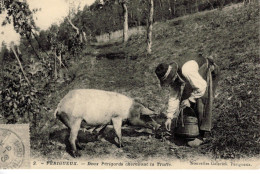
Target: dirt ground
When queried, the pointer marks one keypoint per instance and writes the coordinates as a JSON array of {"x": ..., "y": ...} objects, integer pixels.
[{"x": 140, "y": 146}]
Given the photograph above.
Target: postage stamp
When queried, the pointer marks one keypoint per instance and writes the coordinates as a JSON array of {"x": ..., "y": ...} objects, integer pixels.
[{"x": 14, "y": 146}]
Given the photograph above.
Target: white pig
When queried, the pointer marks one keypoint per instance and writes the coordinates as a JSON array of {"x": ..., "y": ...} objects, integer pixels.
[{"x": 98, "y": 107}]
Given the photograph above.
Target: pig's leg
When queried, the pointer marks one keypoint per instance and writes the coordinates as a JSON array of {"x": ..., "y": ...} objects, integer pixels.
[
  {"x": 101, "y": 131},
  {"x": 117, "y": 123},
  {"x": 79, "y": 147},
  {"x": 75, "y": 126},
  {"x": 65, "y": 119}
]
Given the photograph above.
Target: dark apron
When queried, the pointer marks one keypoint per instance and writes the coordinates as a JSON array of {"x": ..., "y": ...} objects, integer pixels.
[{"x": 204, "y": 105}]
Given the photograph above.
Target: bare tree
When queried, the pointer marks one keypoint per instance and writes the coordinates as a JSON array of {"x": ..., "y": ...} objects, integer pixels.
[
  {"x": 19, "y": 62},
  {"x": 150, "y": 27},
  {"x": 80, "y": 33},
  {"x": 196, "y": 5},
  {"x": 125, "y": 11},
  {"x": 172, "y": 7}
]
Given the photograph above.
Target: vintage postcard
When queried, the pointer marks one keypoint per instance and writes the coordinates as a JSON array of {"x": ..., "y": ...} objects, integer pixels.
[{"x": 129, "y": 84}]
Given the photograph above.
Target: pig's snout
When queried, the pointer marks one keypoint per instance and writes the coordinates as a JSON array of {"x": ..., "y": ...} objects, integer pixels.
[
  {"x": 149, "y": 122},
  {"x": 154, "y": 125}
]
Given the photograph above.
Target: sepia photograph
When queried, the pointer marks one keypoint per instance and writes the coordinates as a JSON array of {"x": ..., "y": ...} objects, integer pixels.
[{"x": 129, "y": 84}]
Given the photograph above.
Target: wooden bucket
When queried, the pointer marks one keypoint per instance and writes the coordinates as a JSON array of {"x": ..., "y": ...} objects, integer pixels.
[{"x": 187, "y": 124}]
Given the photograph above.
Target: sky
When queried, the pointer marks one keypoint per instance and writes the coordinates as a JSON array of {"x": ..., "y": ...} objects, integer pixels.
[{"x": 52, "y": 11}]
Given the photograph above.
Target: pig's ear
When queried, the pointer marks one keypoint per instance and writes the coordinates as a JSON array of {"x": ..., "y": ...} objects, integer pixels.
[
  {"x": 135, "y": 110},
  {"x": 146, "y": 111}
]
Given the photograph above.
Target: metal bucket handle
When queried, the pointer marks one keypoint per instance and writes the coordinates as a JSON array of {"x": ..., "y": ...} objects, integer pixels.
[{"x": 181, "y": 113}]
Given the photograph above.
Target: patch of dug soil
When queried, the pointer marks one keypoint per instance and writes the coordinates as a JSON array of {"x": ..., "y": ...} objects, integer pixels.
[{"x": 137, "y": 146}]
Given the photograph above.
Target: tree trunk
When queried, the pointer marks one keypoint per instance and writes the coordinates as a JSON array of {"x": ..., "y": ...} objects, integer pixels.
[
  {"x": 160, "y": 4},
  {"x": 125, "y": 31},
  {"x": 161, "y": 14},
  {"x": 150, "y": 27},
  {"x": 174, "y": 8},
  {"x": 20, "y": 64},
  {"x": 80, "y": 34},
  {"x": 84, "y": 36},
  {"x": 196, "y": 6},
  {"x": 170, "y": 8},
  {"x": 73, "y": 26},
  {"x": 55, "y": 66},
  {"x": 28, "y": 39}
]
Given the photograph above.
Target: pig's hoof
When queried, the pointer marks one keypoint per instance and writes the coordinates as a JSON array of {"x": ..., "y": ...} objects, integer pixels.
[
  {"x": 76, "y": 154},
  {"x": 121, "y": 145},
  {"x": 80, "y": 147}
]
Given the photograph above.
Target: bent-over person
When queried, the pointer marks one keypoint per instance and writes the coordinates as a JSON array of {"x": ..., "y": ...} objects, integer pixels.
[{"x": 187, "y": 79}]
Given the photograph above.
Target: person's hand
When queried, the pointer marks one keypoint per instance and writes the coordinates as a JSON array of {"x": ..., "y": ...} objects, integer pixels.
[
  {"x": 168, "y": 124},
  {"x": 185, "y": 103}
]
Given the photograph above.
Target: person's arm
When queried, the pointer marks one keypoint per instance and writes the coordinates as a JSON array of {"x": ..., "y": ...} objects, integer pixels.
[
  {"x": 198, "y": 91},
  {"x": 173, "y": 105}
]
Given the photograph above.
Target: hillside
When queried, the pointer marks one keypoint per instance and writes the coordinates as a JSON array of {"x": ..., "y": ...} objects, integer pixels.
[{"x": 230, "y": 35}]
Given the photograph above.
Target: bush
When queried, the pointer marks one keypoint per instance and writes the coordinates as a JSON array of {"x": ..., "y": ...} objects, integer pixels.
[{"x": 20, "y": 101}]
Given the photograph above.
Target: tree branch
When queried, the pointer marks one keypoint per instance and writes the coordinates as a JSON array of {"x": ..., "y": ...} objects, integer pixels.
[
  {"x": 27, "y": 37},
  {"x": 73, "y": 26},
  {"x": 46, "y": 52}
]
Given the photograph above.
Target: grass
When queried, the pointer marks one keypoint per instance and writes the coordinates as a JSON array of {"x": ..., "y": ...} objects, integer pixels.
[{"x": 230, "y": 35}]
